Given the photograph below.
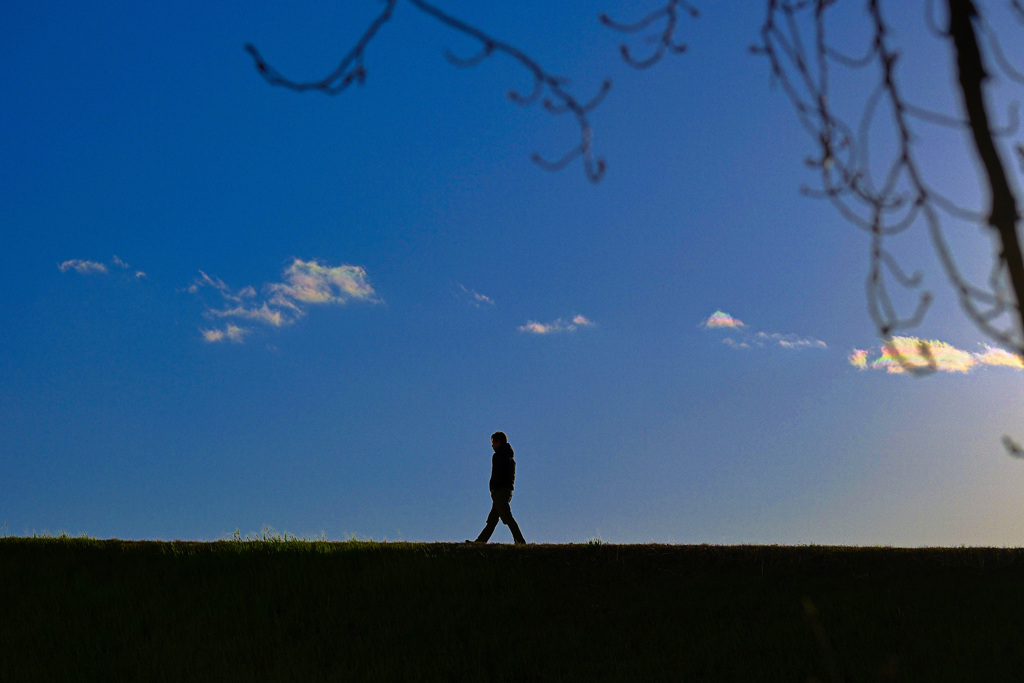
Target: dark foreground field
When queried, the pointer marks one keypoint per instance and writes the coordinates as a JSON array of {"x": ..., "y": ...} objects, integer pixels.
[{"x": 81, "y": 609}]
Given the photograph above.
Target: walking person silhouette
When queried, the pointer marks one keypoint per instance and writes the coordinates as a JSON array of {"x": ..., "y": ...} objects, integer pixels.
[{"x": 502, "y": 483}]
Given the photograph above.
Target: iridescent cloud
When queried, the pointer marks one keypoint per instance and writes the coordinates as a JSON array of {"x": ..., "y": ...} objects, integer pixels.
[
  {"x": 720, "y": 319},
  {"x": 910, "y": 354},
  {"x": 859, "y": 358},
  {"x": 556, "y": 326},
  {"x": 995, "y": 356}
]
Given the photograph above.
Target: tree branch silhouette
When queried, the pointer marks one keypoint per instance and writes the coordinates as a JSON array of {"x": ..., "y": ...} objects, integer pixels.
[
  {"x": 1003, "y": 213},
  {"x": 666, "y": 41},
  {"x": 350, "y": 70},
  {"x": 902, "y": 198},
  {"x": 559, "y": 99}
]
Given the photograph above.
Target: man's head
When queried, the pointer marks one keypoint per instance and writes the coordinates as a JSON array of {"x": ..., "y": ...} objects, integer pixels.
[{"x": 498, "y": 439}]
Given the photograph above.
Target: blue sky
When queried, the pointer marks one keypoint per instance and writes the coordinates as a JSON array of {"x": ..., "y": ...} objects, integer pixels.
[{"x": 225, "y": 305}]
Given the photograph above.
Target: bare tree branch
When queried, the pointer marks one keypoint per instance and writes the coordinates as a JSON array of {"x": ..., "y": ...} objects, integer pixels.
[
  {"x": 350, "y": 69},
  {"x": 997, "y": 51},
  {"x": 559, "y": 99},
  {"x": 1004, "y": 214},
  {"x": 803, "y": 70},
  {"x": 665, "y": 40}
]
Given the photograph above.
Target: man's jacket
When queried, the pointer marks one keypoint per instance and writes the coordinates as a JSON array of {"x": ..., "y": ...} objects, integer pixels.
[{"x": 503, "y": 468}]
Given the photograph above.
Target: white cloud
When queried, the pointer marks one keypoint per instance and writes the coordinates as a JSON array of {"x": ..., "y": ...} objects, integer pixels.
[
  {"x": 305, "y": 283},
  {"x": 749, "y": 339},
  {"x": 556, "y": 326},
  {"x": 232, "y": 333},
  {"x": 83, "y": 267},
  {"x": 263, "y": 314},
  {"x": 313, "y": 283},
  {"x": 733, "y": 344},
  {"x": 96, "y": 268},
  {"x": 536, "y": 328},
  {"x": 789, "y": 341},
  {"x": 205, "y": 280},
  {"x": 124, "y": 266}
]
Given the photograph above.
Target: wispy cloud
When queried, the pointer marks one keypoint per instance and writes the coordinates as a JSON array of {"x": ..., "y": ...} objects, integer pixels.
[
  {"x": 83, "y": 267},
  {"x": 96, "y": 268},
  {"x": 124, "y": 266},
  {"x": 264, "y": 314},
  {"x": 475, "y": 298},
  {"x": 205, "y": 280},
  {"x": 930, "y": 354},
  {"x": 746, "y": 338},
  {"x": 304, "y": 283},
  {"x": 556, "y": 326},
  {"x": 789, "y": 341}
]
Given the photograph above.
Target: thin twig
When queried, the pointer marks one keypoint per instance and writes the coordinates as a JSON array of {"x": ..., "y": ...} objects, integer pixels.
[
  {"x": 559, "y": 99},
  {"x": 665, "y": 41}
]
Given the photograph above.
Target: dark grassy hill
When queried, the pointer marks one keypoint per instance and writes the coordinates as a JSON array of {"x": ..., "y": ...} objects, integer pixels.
[{"x": 83, "y": 609}]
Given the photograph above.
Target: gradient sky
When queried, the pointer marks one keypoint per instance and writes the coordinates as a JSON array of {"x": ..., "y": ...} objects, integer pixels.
[{"x": 225, "y": 305}]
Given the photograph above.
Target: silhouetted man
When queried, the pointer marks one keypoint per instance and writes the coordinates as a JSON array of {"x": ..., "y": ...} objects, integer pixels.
[{"x": 503, "y": 481}]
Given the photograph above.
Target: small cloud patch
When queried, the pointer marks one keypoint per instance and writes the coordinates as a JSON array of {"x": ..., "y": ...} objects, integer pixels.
[
  {"x": 720, "y": 320},
  {"x": 475, "y": 299},
  {"x": 743, "y": 338},
  {"x": 560, "y": 325},
  {"x": 231, "y": 332},
  {"x": 83, "y": 267}
]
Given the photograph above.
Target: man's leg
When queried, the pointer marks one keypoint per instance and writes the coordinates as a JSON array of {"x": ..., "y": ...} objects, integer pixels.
[
  {"x": 492, "y": 521},
  {"x": 503, "y": 503},
  {"x": 517, "y": 535}
]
